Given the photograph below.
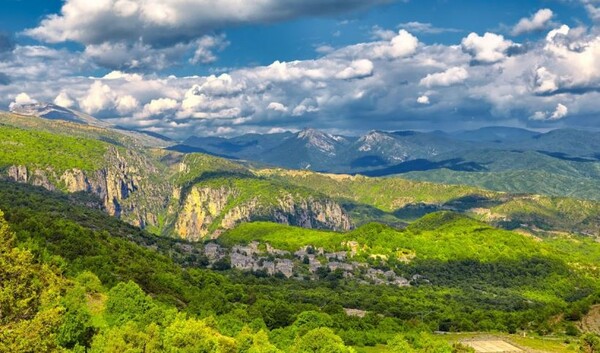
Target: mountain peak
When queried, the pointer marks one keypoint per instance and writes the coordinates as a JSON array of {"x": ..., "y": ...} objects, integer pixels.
[
  {"x": 55, "y": 112},
  {"x": 320, "y": 140}
]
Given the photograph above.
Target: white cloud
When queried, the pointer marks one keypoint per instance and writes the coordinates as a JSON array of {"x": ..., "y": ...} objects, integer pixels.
[
  {"x": 324, "y": 49},
  {"x": 277, "y": 107},
  {"x": 159, "y": 106},
  {"x": 118, "y": 75},
  {"x": 545, "y": 81},
  {"x": 449, "y": 77},
  {"x": 64, "y": 100},
  {"x": 99, "y": 97},
  {"x": 592, "y": 8},
  {"x": 370, "y": 84},
  {"x": 559, "y": 112},
  {"x": 127, "y": 104},
  {"x": 423, "y": 100},
  {"x": 420, "y": 27},
  {"x": 22, "y": 98},
  {"x": 538, "y": 21},
  {"x": 357, "y": 69},
  {"x": 401, "y": 45},
  {"x": 142, "y": 34},
  {"x": 561, "y": 31},
  {"x": 489, "y": 48},
  {"x": 204, "y": 53}
]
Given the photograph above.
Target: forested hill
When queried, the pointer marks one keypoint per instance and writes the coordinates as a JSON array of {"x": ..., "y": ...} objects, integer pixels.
[
  {"x": 197, "y": 196},
  {"x": 109, "y": 245},
  {"x": 78, "y": 278}
]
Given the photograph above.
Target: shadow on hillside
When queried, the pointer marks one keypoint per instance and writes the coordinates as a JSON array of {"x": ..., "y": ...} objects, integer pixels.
[
  {"x": 417, "y": 165},
  {"x": 566, "y": 157},
  {"x": 363, "y": 214},
  {"x": 370, "y": 161},
  {"x": 191, "y": 149},
  {"x": 461, "y": 205}
]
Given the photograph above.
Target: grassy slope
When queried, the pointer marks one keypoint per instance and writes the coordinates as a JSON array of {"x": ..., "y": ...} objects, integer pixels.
[
  {"x": 409, "y": 199},
  {"x": 42, "y": 149},
  {"x": 441, "y": 236},
  {"x": 387, "y": 194}
]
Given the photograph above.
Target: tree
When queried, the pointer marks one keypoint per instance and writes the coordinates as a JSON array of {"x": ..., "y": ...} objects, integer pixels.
[
  {"x": 30, "y": 313},
  {"x": 192, "y": 336},
  {"x": 127, "y": 302},
  {"x": 310, "y": 320},
  {"x": 320, "y": 340},
  {"x": 399, "y": 345}
]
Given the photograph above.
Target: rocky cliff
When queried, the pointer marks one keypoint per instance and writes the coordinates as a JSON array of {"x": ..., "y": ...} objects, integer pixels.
[
  {"x": 208, "y": 211},
  {"x": 124, "y": 185}
]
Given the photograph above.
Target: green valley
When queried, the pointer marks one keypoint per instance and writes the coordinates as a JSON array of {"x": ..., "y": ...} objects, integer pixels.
[{"x": 130, "y": 247}]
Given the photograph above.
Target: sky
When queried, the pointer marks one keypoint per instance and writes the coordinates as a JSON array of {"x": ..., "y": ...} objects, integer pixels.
[{"x": 229, "y": 67}]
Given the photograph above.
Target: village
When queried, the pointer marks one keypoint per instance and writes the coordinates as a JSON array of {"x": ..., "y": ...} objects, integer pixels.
[{"x": 308, "y": 263}]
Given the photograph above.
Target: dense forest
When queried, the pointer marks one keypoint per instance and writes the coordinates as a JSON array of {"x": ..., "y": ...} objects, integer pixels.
[{"x": 76, "y": 279}]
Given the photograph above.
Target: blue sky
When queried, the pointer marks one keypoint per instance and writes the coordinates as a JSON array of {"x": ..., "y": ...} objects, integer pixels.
[{"x": 209, "y": 67}]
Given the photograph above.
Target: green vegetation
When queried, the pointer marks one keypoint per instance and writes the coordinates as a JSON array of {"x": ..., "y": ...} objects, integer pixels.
[
  {"x": 392, "y": 200},
  {"x": 41, "y": 149},
  {"x": 118, "y": 288}
]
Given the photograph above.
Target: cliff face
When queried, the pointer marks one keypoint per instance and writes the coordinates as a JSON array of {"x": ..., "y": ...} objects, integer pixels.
[
  {"x": 123, "y": 185},
  {"x": 137, "y": 189},
  {"x": 207, "y": 212}
]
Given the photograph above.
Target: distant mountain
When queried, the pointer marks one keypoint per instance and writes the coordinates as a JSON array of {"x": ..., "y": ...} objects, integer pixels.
[
  {"x": 316, "y": 150},
  {"x": 55, "y": 112},
  {"x": 496, "y": 135},
  {"x": 498, "y": 158}
]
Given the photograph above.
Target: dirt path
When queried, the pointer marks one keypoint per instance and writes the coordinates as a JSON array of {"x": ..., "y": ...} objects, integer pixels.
[{"x": 591, "y": 322}]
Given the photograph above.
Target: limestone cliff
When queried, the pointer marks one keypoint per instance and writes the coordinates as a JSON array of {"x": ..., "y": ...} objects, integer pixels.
[
  {"x": 208, "y": 211},
  {"x": 124, "y": 185}
]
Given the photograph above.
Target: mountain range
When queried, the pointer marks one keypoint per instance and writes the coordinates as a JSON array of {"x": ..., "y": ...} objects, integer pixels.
[
  {"x": 497, "y": 158},
  {"x": 147, "y": 182}
]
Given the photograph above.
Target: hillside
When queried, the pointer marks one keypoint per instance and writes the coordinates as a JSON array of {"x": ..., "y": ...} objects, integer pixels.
[
  {"x": 196, "y": 196},
  {"x": 495, "y": 158},
  {"x": 466, "y": 275}
]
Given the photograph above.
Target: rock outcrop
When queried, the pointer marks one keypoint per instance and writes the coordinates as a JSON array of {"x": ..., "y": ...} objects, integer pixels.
[
  {"x": 123, "y": 185},
  {"x": 208, "y": 211}
]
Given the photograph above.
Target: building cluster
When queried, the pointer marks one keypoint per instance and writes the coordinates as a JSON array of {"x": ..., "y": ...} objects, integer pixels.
[{"x": 308, "y": 263}]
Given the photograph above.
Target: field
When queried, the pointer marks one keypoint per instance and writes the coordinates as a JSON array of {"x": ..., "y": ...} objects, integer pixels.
[{"x": 500, "y": 341}]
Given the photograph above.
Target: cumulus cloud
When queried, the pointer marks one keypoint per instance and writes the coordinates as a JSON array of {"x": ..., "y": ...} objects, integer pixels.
[
  {"x": 141, "y": 34},
  {"x": 489, "y": 48},
  {"x": 95, "y": 22},
  {"x": 277, "y": 107},
  {"x": 401, "y": 45},
  {"x": 159, "y": 106},
  {"x": 99, "y": 97},
  {"x": 127, "y": 104},
  {"x": 369, "y": 85},
  {"x": 423, "y": 99},
  {"x": 538, "y": 21},
  {"x": 357, "y": 69},
  {"x": 559, "y": 112},
  {"x": 64, "y": 100},
  {"x": 449, "y": 77},
  {"x": 22, "y": 98}
]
